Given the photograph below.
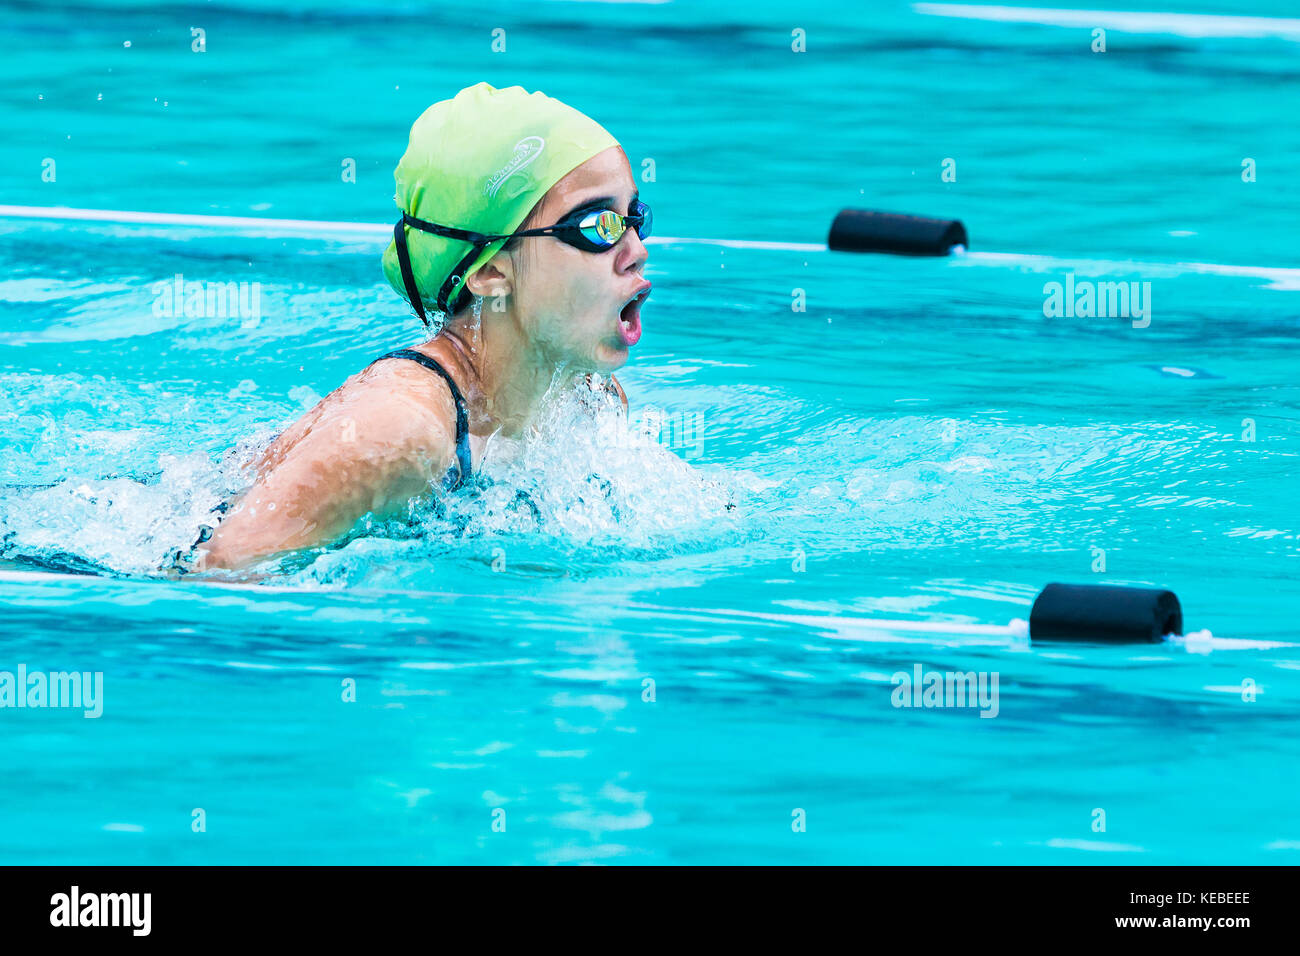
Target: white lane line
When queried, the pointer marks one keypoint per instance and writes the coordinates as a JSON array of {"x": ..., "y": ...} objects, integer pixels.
[
  {"x": 740, "y": 243},
  {"x": 1282, "y": 278},
  {"x": 270, "y": 226},
  {"x": 1198, "y": 25},
  {"x": 312, "y": 227}
]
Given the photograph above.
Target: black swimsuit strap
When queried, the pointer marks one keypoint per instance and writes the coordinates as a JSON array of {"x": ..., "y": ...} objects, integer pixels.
[{"x": 463, "y": 458}]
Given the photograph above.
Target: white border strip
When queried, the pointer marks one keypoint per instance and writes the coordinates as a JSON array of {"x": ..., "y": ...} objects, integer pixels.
[
  {"x": 308, "y": 227},
  {"x": 1282, "y": 275},
  {"x": 312, "y": 227},
  {"x": 1015, "y": 633},
  {"x": 1197, "y": 25},
  {"x": 1288, "y": 278}
]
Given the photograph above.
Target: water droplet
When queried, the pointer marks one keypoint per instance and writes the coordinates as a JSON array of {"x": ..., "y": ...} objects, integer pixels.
[{"x": 127, "y": 44}]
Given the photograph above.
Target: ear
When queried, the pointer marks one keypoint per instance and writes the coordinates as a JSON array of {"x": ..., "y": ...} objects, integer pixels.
[{"x": 495, "y": 278}]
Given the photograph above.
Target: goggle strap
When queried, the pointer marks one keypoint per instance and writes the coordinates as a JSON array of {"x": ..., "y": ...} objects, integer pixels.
[
  {"x": 445, "y": 292},
  {"x": 478, "y": 240},
  {"x": 408, "y": 275},
  {"x": 450, "y": 232}
]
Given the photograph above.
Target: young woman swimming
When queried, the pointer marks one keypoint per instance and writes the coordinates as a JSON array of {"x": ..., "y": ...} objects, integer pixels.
[{"x": 521, "y": 225}]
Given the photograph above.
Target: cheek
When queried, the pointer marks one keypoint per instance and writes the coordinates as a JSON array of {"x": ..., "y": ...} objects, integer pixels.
[{"x": 562, "y": 291}]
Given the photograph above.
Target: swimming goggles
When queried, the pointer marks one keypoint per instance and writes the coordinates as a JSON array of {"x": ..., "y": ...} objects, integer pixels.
[{"x": 588, "y": 229}]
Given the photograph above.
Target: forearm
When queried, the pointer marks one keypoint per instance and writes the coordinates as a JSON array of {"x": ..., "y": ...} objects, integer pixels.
[
  {"x": 287, "y": 512},
  {"x": 274, "y": 517}
]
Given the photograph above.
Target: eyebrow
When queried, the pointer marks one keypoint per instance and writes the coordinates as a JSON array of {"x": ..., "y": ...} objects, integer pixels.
[{"x": 604, "y": 201}]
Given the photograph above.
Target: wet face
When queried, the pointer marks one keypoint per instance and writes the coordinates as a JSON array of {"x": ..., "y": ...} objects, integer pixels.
[{"x": 572, "y": 304}]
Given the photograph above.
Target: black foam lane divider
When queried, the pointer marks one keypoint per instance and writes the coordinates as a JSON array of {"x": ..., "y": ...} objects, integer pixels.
[
  {"x": 1102, "y": 613},
  {"x": 863, "y": 230}
]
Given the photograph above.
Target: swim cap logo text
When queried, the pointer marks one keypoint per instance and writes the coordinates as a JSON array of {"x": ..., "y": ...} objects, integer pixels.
[{"x": 526, "y": 150}]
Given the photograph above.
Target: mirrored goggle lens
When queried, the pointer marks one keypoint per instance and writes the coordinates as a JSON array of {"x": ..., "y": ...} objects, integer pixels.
[
  {"x": 603, "y": 228},
  {"x": 606, "y": 227}
]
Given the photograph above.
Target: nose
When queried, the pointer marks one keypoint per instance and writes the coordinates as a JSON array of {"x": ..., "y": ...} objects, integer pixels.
[{"x": 633, "y": 254}]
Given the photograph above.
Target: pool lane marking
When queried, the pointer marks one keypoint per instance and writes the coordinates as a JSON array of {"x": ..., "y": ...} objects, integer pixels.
[
  {"x": 1195, "y": 25},
  {"x": 1015, "y": 633},
  {"x": 1283, "y": 278},
  {"x": 310, "y": 227},
  {"x": 739, "y": 243},
  {"x": 277, "y": 226},
  {"x": 1017, "y": 629}
]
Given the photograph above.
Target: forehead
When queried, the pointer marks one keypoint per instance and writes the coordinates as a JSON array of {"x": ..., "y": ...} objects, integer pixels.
[{"x": 608, "y": 173}]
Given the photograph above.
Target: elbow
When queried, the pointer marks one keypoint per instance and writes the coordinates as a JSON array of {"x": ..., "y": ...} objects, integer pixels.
[
  {"x": 220, "y": 559},
  {"x": 238, "y": 542}
]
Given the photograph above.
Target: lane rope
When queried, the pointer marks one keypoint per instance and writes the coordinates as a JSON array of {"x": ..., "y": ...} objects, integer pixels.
[{"x": 1282, "y": 277}]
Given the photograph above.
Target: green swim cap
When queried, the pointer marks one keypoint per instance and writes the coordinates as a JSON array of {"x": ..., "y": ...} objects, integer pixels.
[{"x": 476, "y": 165}]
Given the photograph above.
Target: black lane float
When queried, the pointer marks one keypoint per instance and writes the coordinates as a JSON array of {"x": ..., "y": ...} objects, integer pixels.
[
  {"x": 1104, "y": 614},
  {"x": 866, "y": 230}
]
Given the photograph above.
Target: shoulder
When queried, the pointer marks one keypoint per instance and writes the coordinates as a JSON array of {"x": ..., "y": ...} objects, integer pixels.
[
  {"x": 406, "y": 405},
  {"x": 438, "y": 371}
]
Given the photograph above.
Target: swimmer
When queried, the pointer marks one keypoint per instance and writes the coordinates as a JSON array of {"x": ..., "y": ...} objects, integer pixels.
[{"x": 521, "y": 234}]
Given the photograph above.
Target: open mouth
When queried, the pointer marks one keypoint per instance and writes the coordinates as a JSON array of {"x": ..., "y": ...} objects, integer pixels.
[{"x": 629, "y": 319}]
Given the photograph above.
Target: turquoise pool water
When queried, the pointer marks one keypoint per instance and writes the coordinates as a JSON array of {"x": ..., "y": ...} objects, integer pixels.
[{"x": 922, "y": 445}]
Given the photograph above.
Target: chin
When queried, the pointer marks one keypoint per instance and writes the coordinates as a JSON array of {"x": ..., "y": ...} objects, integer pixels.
[{"x": 609, "y": 358}]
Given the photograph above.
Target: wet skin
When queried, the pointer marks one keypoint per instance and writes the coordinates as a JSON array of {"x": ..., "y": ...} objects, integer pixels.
[{"x": 550, "y": 313}]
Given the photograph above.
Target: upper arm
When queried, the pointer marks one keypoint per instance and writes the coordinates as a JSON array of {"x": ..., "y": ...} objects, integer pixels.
[{"x": 366, "y": 456}]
